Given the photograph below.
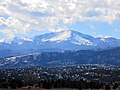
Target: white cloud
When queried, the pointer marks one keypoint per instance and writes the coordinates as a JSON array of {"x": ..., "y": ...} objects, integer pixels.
[
  {"x": 13, "y": 25},
  {"x": 8, "y": 33},
  {"x": 27, "y": 15}
]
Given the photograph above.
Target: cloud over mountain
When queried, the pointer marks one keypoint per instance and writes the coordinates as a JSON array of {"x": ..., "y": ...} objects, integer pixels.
[{"x": 22, "y": 16}]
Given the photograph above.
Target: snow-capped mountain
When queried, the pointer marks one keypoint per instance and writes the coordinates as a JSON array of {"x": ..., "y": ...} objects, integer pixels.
[{"x": 56, "y": 41}]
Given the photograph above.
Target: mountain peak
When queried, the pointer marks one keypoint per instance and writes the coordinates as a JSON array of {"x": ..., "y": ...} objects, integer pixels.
[
  {"x": 57, "y": 41},
  {"x": 60, "y": 36}
]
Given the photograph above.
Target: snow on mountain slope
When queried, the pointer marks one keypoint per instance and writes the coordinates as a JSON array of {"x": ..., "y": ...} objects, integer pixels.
[
  {"x": 26, "y": 39},
  {"x": 58, "y": 41},
  {"x": 78, "y": 39},
  {"x": 64, "y": 35}
]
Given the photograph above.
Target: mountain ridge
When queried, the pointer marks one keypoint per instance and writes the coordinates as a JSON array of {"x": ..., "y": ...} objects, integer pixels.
[
  {"x": 57, "y": 41},
  {"x": 64, "y": 58}
]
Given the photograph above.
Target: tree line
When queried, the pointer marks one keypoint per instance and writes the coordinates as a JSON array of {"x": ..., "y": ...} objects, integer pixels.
[{"x": 58, "y": 83}]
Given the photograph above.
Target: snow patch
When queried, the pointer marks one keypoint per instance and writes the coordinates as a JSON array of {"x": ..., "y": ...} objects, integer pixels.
[
  {"x": 25, "y": 61},
  {"x": 82, "y": 41},
  {"x": 19, "y": 43},
  {"x": 1, "y": 40},
  {"x": 8, "y": 41},
  {"x": 102, "y": 38},
  {"x": 62, "y": 36},
  {"x": 27, "y": 39}
]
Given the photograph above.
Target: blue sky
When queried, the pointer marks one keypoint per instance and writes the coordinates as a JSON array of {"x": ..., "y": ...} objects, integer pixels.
[
  {"x": 93, "y": 28},
  {"x": 27, "y": 18},
  {"x": 96, "y": 28}
]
